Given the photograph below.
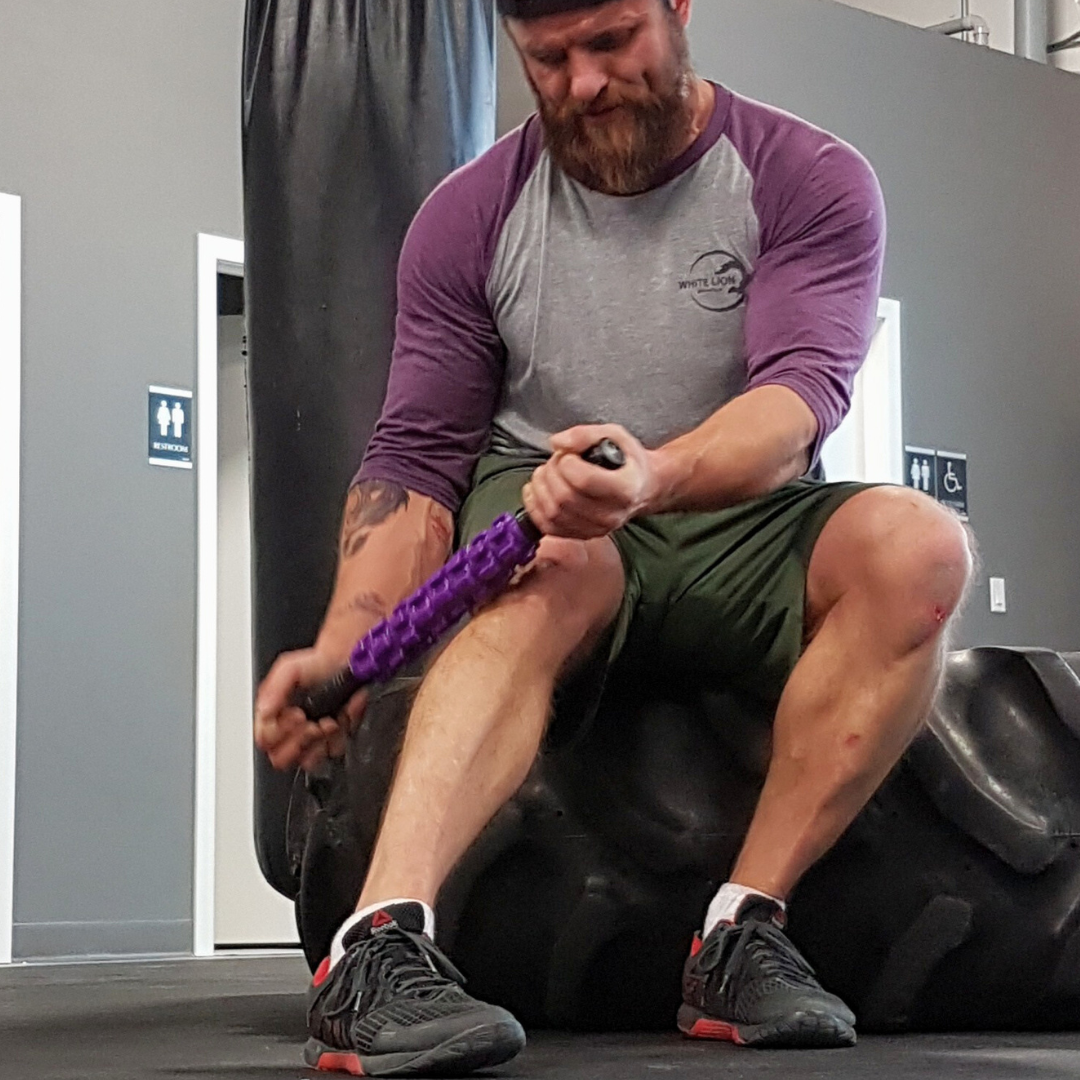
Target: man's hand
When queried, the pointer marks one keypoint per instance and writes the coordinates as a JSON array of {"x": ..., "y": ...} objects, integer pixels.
[
  {"x": 568, "y": 497},
  {"x": 282, "y": 731}
]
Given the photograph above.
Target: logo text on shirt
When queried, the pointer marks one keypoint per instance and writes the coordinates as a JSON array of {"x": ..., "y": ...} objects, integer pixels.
[{"x": 717, "y": 281}]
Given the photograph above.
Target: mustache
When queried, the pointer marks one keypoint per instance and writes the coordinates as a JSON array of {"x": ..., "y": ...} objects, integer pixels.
[{"x": 634, "y": 100}]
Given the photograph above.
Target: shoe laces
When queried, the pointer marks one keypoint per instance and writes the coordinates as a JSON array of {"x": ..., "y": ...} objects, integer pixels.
[
  {"x": 394, "y": 963},
  {"x": 765, "y": 946}
]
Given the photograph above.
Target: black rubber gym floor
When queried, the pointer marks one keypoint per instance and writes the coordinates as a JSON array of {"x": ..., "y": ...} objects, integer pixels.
[{"x": 243, "y": 1019}]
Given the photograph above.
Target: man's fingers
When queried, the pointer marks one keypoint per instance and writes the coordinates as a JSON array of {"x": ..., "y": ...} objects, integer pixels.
[
  {"x": 561, "y": 491},
  {"x": 589, "y": 482},
  {"x": 562, "y": 520},
  {"x": 288, "y": 736},
  {"x": 290, "y": 752},
  {"x": 549, "y": 497},
  {"x": 278, "y": 686},
  {"x": 303, "y": 741},
  {"x": 291, "y": 739},
  {"x": 337, "y": 745},
  {"x": 287, "y": 753},
  {"x": 303, "y": 668},
  {"x": 544, "y": 502},
  {"x": 314, "y": 757},
  {"x": 577, "y": 440},
  {"x": 354, "y": 710},
  {"x": 271, "y": 730}
]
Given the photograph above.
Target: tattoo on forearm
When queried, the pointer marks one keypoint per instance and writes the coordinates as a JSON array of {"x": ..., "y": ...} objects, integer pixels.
[
  {"x": 369, "y": 602},
  {"x": 369, "y": 504}
]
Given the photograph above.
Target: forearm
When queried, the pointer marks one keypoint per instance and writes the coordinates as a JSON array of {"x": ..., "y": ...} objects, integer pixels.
[
  {"x": 755, "y": 444},
  {"x": 392, "y": 541}
]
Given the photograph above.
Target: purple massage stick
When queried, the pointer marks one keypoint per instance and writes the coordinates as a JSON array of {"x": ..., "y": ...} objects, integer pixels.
[{"x": 472, "y": 576}]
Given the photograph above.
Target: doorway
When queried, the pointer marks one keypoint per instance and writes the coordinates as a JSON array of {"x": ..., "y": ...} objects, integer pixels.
[
  {"x": 869, "y": 445},
  {"x": 234, "y": 906},
  {"x": 10, "y": 398}
]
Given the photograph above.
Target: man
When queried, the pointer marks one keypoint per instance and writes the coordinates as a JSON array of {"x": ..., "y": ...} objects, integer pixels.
[{"x": 655, "y": 260}]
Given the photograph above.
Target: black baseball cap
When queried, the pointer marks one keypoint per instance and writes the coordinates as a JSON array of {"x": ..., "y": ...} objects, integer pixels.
[{"x": 533, "y": 9}]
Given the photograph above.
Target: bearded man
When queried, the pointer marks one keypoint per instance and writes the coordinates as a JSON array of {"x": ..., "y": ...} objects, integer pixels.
[{"x": 655, "y": 260}]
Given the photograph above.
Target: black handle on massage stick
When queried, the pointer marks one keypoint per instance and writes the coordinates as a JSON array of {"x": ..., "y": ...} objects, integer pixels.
[
  {"x": 330, "y": 697},
  {"x": 606, "y": 454}
]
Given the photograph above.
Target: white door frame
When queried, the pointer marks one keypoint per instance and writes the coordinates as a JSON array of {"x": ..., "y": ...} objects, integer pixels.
[
  {"x": 869, "y": 445},
  {"x": 883, "y": 399},
  {"x": 10, "y": 401},
  {"x": 216, "y": 255}
]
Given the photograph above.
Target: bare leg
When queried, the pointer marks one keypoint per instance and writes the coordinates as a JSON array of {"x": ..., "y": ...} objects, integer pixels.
[
  {"x": 476, "y": 726},
  {"x": 888, "y": 571}
]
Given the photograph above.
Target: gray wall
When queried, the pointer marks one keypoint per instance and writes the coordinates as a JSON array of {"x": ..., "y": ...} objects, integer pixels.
[
  {"x": 979, "y": 157},
  {"x": 119, "y": 127}
]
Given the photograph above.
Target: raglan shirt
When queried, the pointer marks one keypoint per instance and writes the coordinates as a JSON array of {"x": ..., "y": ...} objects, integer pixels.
[{"x": 529, "y": 303}]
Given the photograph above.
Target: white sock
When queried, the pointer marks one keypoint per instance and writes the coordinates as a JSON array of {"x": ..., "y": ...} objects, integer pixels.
[
  {"x": 337, "y": 946},
  {"x": 725, "y": 905}
]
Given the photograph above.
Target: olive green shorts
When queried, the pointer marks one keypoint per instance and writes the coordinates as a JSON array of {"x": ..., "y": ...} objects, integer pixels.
[{"x": 718, "y": 597}]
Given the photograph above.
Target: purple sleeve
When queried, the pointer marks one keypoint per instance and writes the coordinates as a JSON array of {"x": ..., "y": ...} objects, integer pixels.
[
  {"x": 812, "y": 302},
  {"x": 446, "y": 373}
]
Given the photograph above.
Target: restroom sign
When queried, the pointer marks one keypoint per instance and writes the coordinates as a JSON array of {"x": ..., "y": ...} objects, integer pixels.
[
  {"x": 920, "y": 469},
  {"x": 171, "y": 414},
  {"x": 939, "y": 474}
]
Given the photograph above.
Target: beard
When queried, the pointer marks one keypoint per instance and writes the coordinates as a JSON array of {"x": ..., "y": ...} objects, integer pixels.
[{"x": 620, "y": 152}]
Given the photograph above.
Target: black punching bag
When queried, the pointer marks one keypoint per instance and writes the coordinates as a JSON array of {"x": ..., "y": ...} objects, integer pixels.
[{"x": 353, "y": 111}]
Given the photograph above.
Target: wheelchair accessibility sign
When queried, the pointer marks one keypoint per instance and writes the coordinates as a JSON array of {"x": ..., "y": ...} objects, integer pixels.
[
  {"x": 952, "y": 482},
  {"x": 940, "y": 474}
]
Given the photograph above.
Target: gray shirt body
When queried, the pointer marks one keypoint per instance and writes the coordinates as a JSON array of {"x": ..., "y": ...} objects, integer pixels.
[{"x": 528, "y": 303}]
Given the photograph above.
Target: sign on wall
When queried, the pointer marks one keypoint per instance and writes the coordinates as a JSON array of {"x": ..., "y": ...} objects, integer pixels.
[
  {"x": 940, "y": 474},
  {"x": 171, "y": 414},
  {"x": 952, "y": 482},
  {"x": 920, "y": 469}
]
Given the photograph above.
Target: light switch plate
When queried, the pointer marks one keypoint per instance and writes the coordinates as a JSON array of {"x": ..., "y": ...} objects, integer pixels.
[{"x": 997, "y": 594}]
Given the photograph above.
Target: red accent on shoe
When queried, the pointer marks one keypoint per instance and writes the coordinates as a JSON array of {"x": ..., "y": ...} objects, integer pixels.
[
  {"x": 715, "y": 1029},
  {"x": 349, "y": 1063},
  {"x": 321, "y": 973},
  {"x": 380, "y": 919},
  {"x": 695, "y": 946}
]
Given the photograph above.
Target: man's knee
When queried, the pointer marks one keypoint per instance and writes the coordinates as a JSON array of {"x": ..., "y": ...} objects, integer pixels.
[
  {"x": 901, "y": 553},
  {"x": 573, "y": 589}
]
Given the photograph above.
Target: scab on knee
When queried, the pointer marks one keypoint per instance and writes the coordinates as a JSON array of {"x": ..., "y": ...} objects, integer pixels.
[{"x": 934, "y": 560}]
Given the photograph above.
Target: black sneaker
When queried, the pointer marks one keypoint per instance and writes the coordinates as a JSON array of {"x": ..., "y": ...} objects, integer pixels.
[
  {"x": 747, "y": 983},
  {"x": 393, "y": 1006}
]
